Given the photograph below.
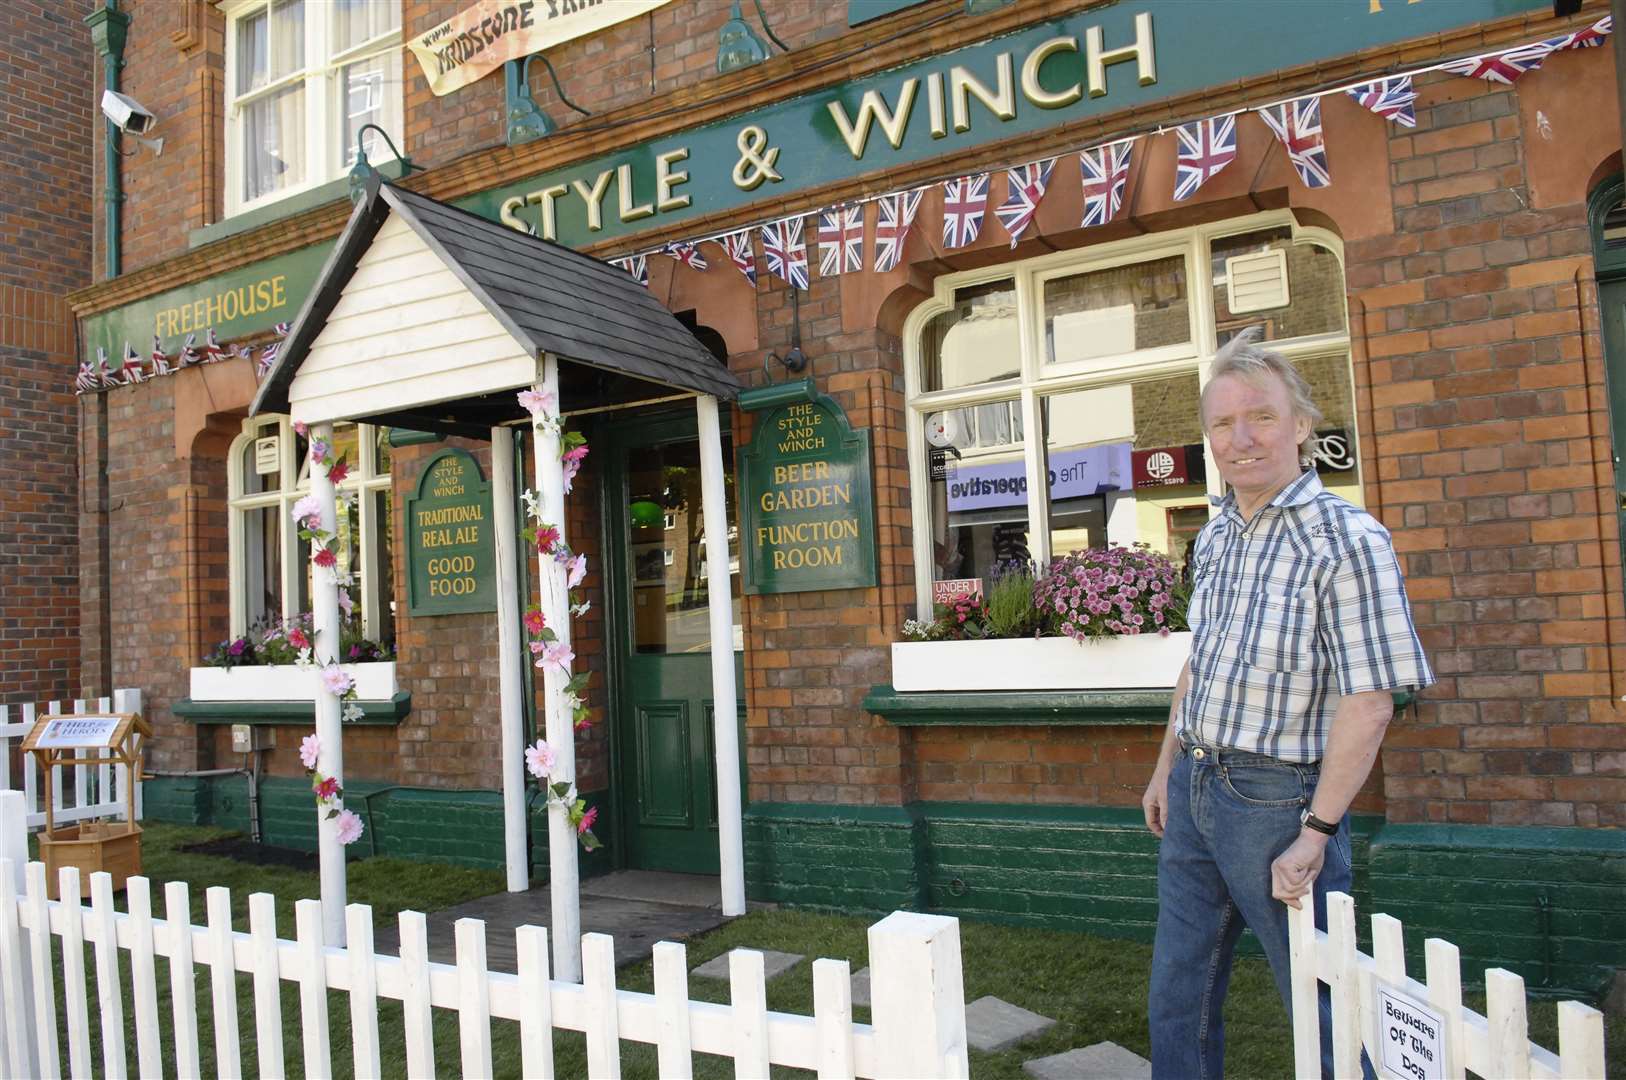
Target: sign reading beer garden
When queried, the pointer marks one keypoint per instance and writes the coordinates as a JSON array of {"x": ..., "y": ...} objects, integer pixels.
[
  {"x": 451, "y": 563},
  {"x": 807, "y": 518}
]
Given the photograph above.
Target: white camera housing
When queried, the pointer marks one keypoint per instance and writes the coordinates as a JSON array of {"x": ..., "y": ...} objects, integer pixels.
[{"x": 127, "y": 114}]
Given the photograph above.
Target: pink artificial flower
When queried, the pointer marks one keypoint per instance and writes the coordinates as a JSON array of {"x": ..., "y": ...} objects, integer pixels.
[
  {"x": 308, "y": 512},
  {"x": 338, "y": 471},
  {"x": 578, "y": 570},
  {"x": 324, "y": 557},
  {"x": 326, "y": 788},
  {"x": 536, "y": 401},
  {"x": 337, "y": 681},
  {"x": 348, "y": 826},
  {"x": 319, "y": 450},
  {"x": 587, "y": 821},
  {"x": 540, "y": 759},
  {"x": 575, "y": 453},
  {"x": 584, "y": 724},
  {"x": 297, "y": 638},
  {"x": 537, "y": 647},
  {"x": 346, "y": 605},
  {"x": 534, "y": 622},
  {"x": 309, "y": 747},
  {"x": 569, "y": 475},
  {"x": 546, "y": 537},
  {"x": 301, "y": 428},
  {"x": 556, "y": 656}
]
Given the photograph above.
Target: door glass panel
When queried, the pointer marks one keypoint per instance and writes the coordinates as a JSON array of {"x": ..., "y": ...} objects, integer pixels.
[{"x": 666, "y": 556}]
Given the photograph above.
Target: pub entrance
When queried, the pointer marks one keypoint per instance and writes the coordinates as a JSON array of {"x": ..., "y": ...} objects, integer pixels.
[{"x": 657, "y": 590}]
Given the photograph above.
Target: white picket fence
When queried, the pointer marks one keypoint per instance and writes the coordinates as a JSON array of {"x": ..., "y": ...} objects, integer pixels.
[
  {"x": 79, "y": 793},
  {"x": 917, "y": 992},
  {"x": 1498, "y": 1046}
]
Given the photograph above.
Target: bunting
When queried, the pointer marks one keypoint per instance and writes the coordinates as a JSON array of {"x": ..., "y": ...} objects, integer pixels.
[
  {"x": 1394, "y": 99},
  {"x": 160, "y": 362},
  {"x": 1297, "y": 124},
  {"x": 189, "y": 353},
  {"x": 1587, "y": 38},
  {"x": 105, "y": 371},
  {"x": 635, "y": 265},
  {"x": 212, "y": 352},
  {"x": 738, "y": 246},
  {"x": 841, "y": 240},
  {"x": 1504, "y": 67},
  {"x": 964, "y": 202},
  {"x": 1206, "y": 147},
  {"x": 1026, "y": 184},
  {"x": 1106, "y": 171},
  {"x": 87, "y": 371},
  {"x": 686, "y": 253},
  {"x": 785, "y": 250},
  {"x": 132, "y": 371},
  {"x": 897, "y": 214}
]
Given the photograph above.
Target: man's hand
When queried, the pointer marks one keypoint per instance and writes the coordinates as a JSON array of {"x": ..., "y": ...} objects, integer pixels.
[
  {"x": 1294, "y": 871},
  {"x": 1155, "y": 803}
]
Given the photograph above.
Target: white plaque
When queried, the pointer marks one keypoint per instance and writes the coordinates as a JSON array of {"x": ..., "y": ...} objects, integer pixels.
[
  {"x": 1411, "y": 1034},
  {"x": 78, "y": 731}
]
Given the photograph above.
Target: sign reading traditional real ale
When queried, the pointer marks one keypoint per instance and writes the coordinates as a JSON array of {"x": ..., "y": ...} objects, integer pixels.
[
  {"x": 807, "y": 515},
  {"x": 451, "y": 562}
]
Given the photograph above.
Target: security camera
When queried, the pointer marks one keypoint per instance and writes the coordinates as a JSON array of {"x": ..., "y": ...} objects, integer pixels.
[{"x": 127, "y": 114}]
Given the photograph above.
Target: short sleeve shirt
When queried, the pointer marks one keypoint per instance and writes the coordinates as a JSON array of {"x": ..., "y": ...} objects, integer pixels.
[{"x": 1290, "y": 611}]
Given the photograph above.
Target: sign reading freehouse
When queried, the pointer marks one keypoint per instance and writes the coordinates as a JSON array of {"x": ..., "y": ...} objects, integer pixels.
[
  {"x": 451, "y": 562},
  {"x": 808, "y": 516}
]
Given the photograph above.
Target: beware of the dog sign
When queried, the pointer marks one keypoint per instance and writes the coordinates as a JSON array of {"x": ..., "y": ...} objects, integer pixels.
[{"x": 1411, "y": 1035}]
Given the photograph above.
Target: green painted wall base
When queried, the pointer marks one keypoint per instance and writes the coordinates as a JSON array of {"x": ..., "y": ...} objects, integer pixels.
[
  {"x": 1542, "y": 902},
  {"x": 426, "y": 824}
]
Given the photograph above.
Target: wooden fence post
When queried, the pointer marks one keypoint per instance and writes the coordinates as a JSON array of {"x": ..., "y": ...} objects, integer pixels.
[
  {"x": 17, "y": 1035},
  {"x": 918, "y": 992}
]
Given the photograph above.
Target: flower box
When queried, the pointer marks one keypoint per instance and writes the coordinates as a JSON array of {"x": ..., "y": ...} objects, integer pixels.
[
  {"x": 287, "y": 682},
  {"x": 1134, "y": 662}
]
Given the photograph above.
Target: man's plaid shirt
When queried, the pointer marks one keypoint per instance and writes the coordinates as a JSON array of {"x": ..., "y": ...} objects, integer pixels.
[{"x": 1301, "y": 605}]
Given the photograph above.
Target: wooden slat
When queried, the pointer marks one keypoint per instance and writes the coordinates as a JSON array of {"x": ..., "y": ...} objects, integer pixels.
[
  {"x": 1509, "y": 1024},
  {"x": 313, "y": 1019},
  {"x": 47, "y": 1054},
  {"x": 536, "y": 1023},
  {"x": 1345, "y": 985},
  {"x": 1444, "y": 968},
  {"x": 490, "y": 377},
  {"x": 358, "y": 928},
  {"x": 603, "y": 1020},
  {"x": 223, "y": 983},
  {"x": 833, "y": 1017},
  {"x": 262, "y": 928},
  {"x": 378, "y": 335},
  {"x": 672, "y": 1044},
  {"x": 748, "y": 995},
  {"x": 474, "y": 998},
  {"x": 143, "y": 977},
  {"x": 1580, "y": 1041},
  {"x": 1306, "y": 990},
  {"x": 411, "y": 351},
  {"x": 183, "y": 982},
  {"x": 418, "y": 1016},
  {"x": 109, "y": 993},
  {"x": 74, "y": 995},
  {"x": 13, "y": 975}
]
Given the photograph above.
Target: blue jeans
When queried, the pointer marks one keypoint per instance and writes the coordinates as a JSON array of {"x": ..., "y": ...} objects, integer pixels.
[{"x": 1229, "y": 815}]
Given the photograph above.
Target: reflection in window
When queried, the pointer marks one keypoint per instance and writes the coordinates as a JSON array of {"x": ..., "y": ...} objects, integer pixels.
[
  {"x": 978, "y": 491},
  {"x": 666, "y": 559},
  {"x": 1115, "y": 312},
  {"x": 974, "y": 342}
]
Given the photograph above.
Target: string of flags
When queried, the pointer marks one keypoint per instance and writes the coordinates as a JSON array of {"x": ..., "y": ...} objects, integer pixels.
[{"x": 100, "y": 374}]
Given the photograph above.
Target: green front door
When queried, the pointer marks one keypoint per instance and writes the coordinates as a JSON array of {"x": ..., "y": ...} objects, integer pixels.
[{"x": 659, "y": 592}]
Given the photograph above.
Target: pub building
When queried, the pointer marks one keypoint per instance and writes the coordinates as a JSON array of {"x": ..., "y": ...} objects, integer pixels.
[{"x": 961, "y": 268}]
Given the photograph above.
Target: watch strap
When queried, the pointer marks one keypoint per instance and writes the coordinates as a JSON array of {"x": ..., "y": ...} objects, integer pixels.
[{"x": 1310, "y": 821}]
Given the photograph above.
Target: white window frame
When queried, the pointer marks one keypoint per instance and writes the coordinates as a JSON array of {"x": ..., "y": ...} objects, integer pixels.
[
  {"x": 363, "y": 481},
  {"x": 324, "y": 162},
  {"x": 1035, "y": 382}
]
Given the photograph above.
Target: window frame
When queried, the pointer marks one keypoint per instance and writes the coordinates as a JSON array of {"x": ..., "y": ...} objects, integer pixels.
[
  {"x": 364, "y": 480},
  {"x": 323, "y": 99},
  {"x": 1034, "y": 383}
]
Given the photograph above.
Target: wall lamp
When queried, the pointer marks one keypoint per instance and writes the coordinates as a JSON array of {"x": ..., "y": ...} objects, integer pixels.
[
  {"x": 526, "y": 120},
  {"x": 363, "y": 169}
]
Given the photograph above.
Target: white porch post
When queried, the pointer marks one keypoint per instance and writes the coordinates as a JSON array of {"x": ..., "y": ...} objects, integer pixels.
[
  {"x": 508, "y": 648},
  {"x": 725, "y": 706},
  {"x": 563, "y": 881},
  {"x": 325, "y": 621}
]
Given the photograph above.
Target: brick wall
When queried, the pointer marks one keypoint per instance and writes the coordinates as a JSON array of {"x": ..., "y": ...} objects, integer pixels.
[{"x": 45, "y": 215}]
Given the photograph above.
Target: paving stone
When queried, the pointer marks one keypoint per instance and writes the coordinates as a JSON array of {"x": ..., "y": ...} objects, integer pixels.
[
  {"x": 773, "y": 963},
  {"x": 861, "y": 987},
  {"x": 1103, "y": 1061},
  {"x": 994, "y": 1025}
]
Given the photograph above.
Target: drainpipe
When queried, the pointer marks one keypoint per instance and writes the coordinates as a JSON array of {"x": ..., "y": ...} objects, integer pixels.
[{"x": 107, "y": 29}]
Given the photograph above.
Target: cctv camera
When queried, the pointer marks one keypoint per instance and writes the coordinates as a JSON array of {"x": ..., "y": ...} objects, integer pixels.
[{"x": 127, "y": 114}]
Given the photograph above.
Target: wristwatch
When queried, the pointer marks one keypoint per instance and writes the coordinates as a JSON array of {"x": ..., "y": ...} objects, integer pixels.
[{"x": 1310, "y": 821}]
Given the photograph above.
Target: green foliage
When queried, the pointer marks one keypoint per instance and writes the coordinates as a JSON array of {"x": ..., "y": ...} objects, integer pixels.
[{"x": 1011, "y": 612}]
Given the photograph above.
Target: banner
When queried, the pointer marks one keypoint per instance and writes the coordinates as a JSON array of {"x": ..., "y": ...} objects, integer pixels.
[{"x": 471, "y": 45}]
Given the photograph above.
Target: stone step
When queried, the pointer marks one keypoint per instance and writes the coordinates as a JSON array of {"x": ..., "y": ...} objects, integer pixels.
[
  {"x": 773, "y": 963},
  {"x": 1102, "y": 1061},
  {"x": 993, "y": 1025}
]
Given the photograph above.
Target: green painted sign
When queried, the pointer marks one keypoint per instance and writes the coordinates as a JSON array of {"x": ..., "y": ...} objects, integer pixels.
[
  {"x": 451, "y": 560},
  {"x": 236, "y": 304},
  {"x": 807, "y": 516}
]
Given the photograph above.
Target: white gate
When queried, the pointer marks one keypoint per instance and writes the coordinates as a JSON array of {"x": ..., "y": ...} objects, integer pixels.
[{"x": 80, "y": 792}]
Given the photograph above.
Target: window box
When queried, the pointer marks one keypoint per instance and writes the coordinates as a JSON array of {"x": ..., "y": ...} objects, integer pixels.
[
  {"x": 287, "y": 682},
  {"x": 1143, "y": 661}
]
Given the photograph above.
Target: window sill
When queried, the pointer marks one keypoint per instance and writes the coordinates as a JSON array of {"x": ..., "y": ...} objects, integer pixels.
[
  {"x": 1071, "y": 708},
  {"x": 297, "y": 203},
  {"x": 373, "y": 713}
]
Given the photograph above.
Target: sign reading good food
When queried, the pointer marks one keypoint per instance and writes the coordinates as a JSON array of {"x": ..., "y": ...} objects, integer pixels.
[
  {"x": 808, "y": 516},
  {"x": 451, "y": 562}
]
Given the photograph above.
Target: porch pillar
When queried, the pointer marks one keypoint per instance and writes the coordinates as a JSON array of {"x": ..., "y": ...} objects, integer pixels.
[
  {"x": 330, "y": 761},
  {"x": 725, "y": 705},
  {"x": 508, "y": 661},
  {"x": 563, "y": 883}
]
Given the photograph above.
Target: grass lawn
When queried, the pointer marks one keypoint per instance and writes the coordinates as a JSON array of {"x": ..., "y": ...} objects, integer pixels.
[{"x": 1094, "y": 987}]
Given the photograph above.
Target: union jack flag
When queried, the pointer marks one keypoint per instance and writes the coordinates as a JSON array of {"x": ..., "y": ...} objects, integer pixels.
[
  {"x": 160, "y": 362},
  {"x": 1206, "y": 147},
  {"x": 212, "y": 352},
  {"x": 897, "y": 214},
  {"x": 1298, "y": 125},
  {"x": 738, "y": 246},
  {"x": 87, "y": 372},
  {"x": 1391, "y": 98},
  {"x": 189, "y": 353},
  {"x": 841, "y": 240},
  {"x": 105, "y": 370},
  {"x": 1026, "y": 184},
  {"x": 1503, "y": 67},
  {"x": 686, "y": 253},
  {"x": 132, "y": 369},
  {"x": 637, "y": 266},
  {"x": 785, "y": 250},
  {"x": 1106, "y": 170},
  {"x": 1589, "y": 38},
  {"x": 267, "y": 360},
  {"x": 964, "y": 202}
]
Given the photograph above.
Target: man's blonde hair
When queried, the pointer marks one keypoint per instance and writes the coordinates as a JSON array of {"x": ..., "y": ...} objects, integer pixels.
[{"x": 1244, "y": 359}]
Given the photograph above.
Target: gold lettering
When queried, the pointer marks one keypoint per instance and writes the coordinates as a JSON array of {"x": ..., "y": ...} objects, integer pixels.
[
  {"x": 278, "y": 296},
  {"x": 666, "y": 179},
  {"x": 624, "y": 189},
  {"x": 934, "y": 104},
  {"x": 873, "y": 109},
  {"x": 1030, "y": 75},
  {"x": 1097, "y": 56},
  {"x": 963, "y": 86},
  {"x": 229, "y": 303},
  {"x": 594, "y": 198},
  {"x": 506, "y": 213},
  {"x": 545, "y": 197},
  {"x": 262, "y": 295}
]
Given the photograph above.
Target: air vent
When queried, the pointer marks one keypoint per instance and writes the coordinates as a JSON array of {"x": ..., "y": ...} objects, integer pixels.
[{"x": 1256, "y": 281}]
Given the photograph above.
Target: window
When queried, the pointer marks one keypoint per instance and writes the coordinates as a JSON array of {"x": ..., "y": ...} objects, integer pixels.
[
  {"x": 302, "y": 78},
  {"x": 1054, "y": 403},
  {"x": 270, "y": 565}
]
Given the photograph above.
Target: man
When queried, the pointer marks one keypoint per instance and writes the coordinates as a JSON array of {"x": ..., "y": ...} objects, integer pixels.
[{"x": 1302, "y": 631}]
